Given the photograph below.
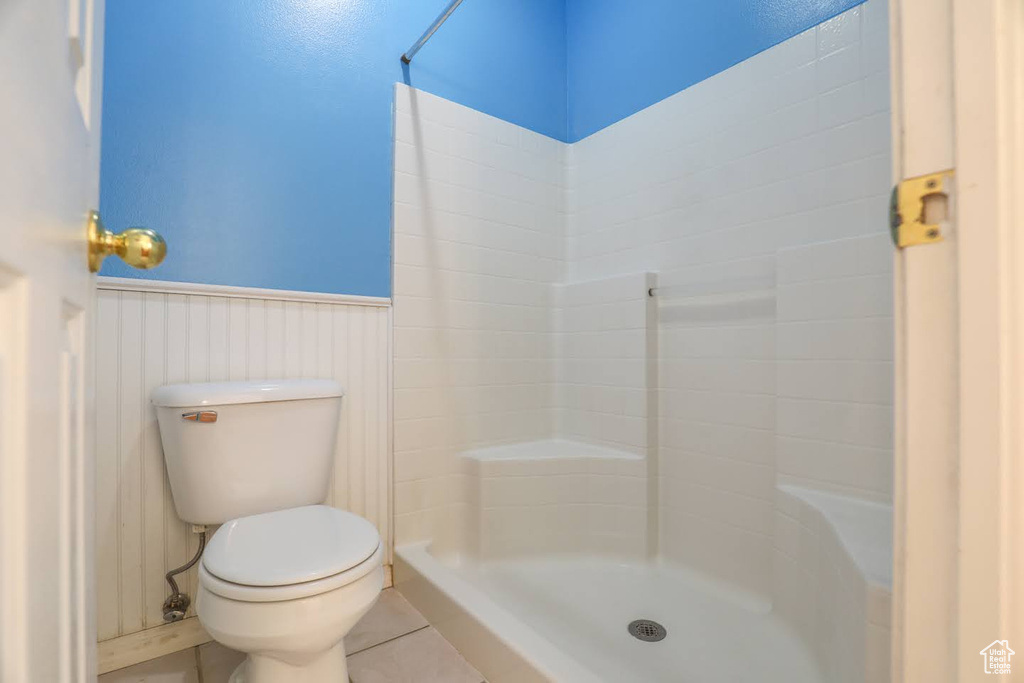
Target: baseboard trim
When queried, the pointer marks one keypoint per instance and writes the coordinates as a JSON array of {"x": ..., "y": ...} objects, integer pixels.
[
  {"x": 141, "y": 646},
  {"x": 128, "y": 284}
]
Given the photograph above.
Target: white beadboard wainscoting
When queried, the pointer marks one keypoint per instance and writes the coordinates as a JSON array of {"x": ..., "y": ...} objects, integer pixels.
[{"x": 148, "y": 334}]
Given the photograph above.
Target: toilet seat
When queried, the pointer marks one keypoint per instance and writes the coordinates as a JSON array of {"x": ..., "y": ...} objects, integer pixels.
[
  {"x": 289, "y": 554},
  {"x": 243, "y": 593}
]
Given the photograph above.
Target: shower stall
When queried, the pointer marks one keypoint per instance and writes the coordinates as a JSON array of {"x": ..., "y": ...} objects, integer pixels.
[{"x": 643, "y": 382}]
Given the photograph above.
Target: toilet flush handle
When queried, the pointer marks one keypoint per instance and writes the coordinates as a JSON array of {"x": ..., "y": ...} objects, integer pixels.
[{"x": 200, "y": 416}]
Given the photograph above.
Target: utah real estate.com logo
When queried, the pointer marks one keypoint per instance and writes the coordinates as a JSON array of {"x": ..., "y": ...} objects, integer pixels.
[{"x": 997, "y": 657}]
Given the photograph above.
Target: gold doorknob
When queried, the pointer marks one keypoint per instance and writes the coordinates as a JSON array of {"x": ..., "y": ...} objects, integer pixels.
[{"x": 138, "y": 247}]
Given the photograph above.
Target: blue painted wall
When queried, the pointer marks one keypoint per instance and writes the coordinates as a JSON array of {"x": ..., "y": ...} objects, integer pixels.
[
  {"x": 256, "y": 134},
  {"x": 624, "y": 56}
]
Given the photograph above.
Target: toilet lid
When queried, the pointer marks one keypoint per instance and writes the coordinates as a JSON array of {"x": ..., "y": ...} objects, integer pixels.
[{"x": 290, "y": 546}]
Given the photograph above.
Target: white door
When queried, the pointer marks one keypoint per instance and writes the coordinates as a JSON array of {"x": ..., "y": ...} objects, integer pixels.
[
  {"x": 958, "y": 96},
  {"x": 50, "y": 67}
]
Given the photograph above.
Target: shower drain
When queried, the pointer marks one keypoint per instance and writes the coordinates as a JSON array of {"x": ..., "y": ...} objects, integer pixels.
[{"x": 647, "y": 630}]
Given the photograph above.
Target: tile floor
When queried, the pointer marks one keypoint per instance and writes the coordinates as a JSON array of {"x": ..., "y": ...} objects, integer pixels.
[{"x": 392, "y": 644}]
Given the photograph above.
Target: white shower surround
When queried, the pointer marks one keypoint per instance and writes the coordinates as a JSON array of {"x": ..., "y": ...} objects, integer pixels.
[{"x": 545, "y": 406}]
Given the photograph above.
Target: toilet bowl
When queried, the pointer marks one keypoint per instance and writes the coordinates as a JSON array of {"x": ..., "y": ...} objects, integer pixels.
[
  {"x": 286, "y": 587},
  {"x": 284, "y": 578}
]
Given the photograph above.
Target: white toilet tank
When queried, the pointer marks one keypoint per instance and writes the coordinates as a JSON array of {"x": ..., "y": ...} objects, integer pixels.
[{"x": 241, "y": 448}]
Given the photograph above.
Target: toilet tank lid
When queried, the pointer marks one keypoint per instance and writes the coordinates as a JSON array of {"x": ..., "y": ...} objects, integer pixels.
[{"x": 229, "y": 393}]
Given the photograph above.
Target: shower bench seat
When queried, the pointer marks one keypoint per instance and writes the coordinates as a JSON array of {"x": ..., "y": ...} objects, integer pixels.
[
  {"x": 832, "y": 578},
  {"x": 558, "y": 496}
]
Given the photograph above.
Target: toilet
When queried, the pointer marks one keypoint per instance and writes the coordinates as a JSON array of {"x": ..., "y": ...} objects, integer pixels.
[{"x": 284, "y": 578}]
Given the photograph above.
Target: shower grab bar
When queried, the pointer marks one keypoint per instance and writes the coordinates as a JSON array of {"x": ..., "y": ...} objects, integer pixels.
[{"x": 441, "y": 18}]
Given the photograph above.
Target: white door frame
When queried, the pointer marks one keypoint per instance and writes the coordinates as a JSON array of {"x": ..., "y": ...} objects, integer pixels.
[{"x": 958, "y": 102}]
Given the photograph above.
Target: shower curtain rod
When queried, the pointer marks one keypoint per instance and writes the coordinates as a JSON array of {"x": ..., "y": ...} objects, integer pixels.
[{"x": 441, "y": 18}]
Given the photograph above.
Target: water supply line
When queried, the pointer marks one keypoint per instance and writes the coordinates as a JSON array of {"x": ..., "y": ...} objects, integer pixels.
[{"x": 177, "y": 604}]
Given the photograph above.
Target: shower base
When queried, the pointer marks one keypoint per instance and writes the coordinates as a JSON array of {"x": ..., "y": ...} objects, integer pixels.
[{"x": 566, "y": 620}]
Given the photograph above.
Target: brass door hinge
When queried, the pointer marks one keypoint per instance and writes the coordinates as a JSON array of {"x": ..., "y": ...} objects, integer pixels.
[{"x": 907, "y": 209}]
